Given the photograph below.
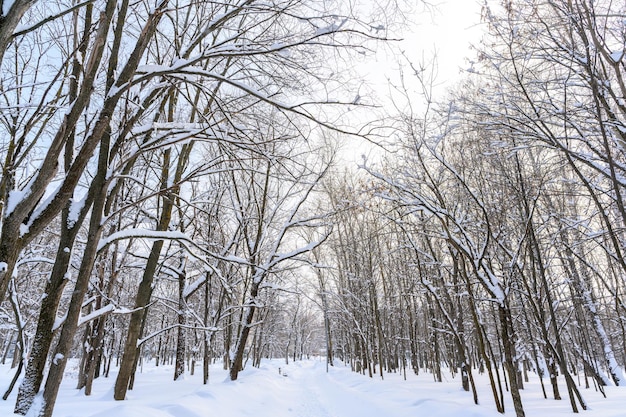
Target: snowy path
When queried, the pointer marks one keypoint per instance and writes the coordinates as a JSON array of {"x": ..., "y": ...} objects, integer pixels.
[
  {"x": 341, "y": 393},
  {"x": 306, "y": 390},
  {"x": 319, "y": 395}
]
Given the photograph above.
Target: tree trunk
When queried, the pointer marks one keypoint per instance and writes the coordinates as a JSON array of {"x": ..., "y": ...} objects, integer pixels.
[
  {"x": 142, "y": 299},
  {"x": 497, "y": 394},
  {"x": 70, "y": 326},
  {"x": 179, "y": 368},
  {"x": 99, "y": 329},
  {"x": 240, "y": 347},
  {"x": 509, "y": 355},
  {"x": 42, "y": 341},
  {"x": 144, "y": 291},
  {"x": 9, "y": 22}
]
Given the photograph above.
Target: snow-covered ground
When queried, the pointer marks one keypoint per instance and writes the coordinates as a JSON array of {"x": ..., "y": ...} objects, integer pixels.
[{"x": 302, "y": 389}]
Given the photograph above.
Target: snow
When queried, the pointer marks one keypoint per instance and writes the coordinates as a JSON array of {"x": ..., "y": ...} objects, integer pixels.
[
  {"x": 333, "y": 27},
  {"x": 51, "y": 192},
  {"x": 617, "y": 56},
  {"x": 96, "y": 313},
  {"x": 193, "y": 287},
  {"x": 15, "y": 197},
  {"x": 58, "y": 322},
  {"x": 36, "y": 407},
  {"x": 301, "y": 389},
  {"x": 76, "y": 206}
]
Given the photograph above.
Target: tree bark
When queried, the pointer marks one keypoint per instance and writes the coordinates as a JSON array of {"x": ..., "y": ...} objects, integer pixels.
[
  {"x": 506, "y": 327},
  {"x": 179, "y": 367},
  {"x": 144, "y": 290},
  {"x": 237, "y": 361},
  {"x": 9, "y": 22},
  {"x": 70, "y": 325}
]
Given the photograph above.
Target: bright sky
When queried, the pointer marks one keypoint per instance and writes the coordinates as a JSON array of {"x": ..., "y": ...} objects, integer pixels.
[
  {"x": 454, "y": 25},
  {"x": 447, "y": 29}
]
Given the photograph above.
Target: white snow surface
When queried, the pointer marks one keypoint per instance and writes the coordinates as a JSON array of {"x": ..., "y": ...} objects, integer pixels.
[{"x": 301, "y": 389}]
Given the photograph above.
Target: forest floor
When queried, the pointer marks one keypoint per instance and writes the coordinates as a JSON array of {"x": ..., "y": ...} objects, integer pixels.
[{"x": 303, "y": 389}]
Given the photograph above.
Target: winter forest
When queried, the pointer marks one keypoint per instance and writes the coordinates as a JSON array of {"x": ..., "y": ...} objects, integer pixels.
[{"x": 173, "y": 192}]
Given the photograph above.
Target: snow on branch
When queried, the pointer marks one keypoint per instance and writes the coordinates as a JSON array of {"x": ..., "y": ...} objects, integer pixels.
[
  {"x": 176, "y": 326},
  {"x": 50, "y": 18},
  {"x": 142, "y": 234},
  {"x": 96, "y": 314}
]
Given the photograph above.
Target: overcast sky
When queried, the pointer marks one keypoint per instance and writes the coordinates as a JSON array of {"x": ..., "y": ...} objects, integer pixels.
[
  {"x": 453, "y": 26},
  {"x": 447, "y": 31}
]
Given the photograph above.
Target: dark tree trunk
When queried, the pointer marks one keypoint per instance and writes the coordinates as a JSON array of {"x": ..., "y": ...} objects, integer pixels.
[
  {"x": 47, "y": 315},
  {"x": 509, "y": 355},
  {"x": 9, "y": 22},
  {"x": 179, "y": 368},
  {"x": 237, "y": 364},
  {"x": 70, "y": 326}
]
